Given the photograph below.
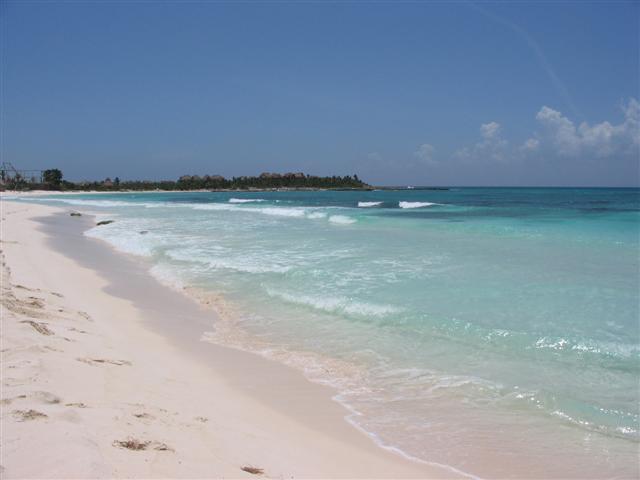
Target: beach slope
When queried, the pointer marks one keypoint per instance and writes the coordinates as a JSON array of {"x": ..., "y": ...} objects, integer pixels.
[{"x": 89, "y": 390}]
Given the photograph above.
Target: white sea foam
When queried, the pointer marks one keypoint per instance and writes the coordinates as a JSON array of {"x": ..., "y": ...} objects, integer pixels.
[
  {"x": 280, "y": 211},
  {"x": 167, "y": 275},
  {"x": 210, "y": 206},
  {"x": 125, "y": 238},
  {"x": 246, "y": 200},
  {"x": 416, "y": 204},
  {"x": 107, "y": 203},
  {"x": 342, "y": 219},
  {"x": 215, "y": 257},
  {"x": 336, "y": 304},
  {"x": 94, "y": 203},
  {"x": 369, "y": 204},
  {"x": 247, "y": 265},
  {"x": 316, "y": 215}
]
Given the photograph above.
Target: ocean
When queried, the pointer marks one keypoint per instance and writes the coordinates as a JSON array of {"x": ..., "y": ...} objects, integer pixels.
[{"x": 494, "y": 331}]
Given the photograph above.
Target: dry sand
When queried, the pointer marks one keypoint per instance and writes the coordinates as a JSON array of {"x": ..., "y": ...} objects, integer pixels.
[{"x": 104, "y": 375}]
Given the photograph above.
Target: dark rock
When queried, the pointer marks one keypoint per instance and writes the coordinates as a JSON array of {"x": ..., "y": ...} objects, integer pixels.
[
  {"x": 75, "y": 214},
  {"x": 104, "y": 222}
]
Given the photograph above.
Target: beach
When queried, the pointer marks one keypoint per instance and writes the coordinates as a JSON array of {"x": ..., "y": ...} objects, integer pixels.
[
  {"x": 479, "y": 333},
  {"x": 105, "y": 375},
  {"x": 320, "y": 239}
]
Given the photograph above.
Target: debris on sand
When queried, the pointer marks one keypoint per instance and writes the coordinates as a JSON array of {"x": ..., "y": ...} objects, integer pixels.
[
  {"x": 41, "y": 328},
  {"x": 92, "y": 361},
  {"x": 24, "y": 415},
  {"x": 131, "y": 444},
  {"x": 253, "y": 470},
  {"x": 137, "y": 445}
]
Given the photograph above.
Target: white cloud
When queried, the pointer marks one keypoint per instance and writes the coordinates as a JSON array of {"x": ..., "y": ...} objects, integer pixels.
[
  {"x": 530, "y": 145},
  {"x": 424, "y": 154},
  {"x": 490, "y": 130},
  {"x": 492, "y": 146},
  {"x": 561, "y": 137},
  {"x": 600, "y": 140}
]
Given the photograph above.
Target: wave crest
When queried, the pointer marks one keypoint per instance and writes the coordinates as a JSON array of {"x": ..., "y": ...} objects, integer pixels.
[
  {"x": 246, "y": 200},
  {"x": 342, "y": 219},
  {"x": 416, "y": 204},
  {"x": 336, "y": 304}
]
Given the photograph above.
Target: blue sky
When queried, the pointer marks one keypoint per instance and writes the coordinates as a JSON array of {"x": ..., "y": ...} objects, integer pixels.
[{"x": 432, "y": 93}]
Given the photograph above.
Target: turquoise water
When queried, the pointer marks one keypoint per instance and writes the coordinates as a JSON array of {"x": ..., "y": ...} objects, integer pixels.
[{"x": 495, "y": 331}]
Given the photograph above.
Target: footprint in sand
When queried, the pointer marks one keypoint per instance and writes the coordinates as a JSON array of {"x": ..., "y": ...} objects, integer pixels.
[
  {"x": 46, "y": 397},
  {"x": 145, "y": 417},
  {"x": 7, "y": 401},
  {"x": 74, "y": 329},
  {"x": 86, "y": 316},
  {"x": 35, "y": 302},
  {"x": 39, "y": 396}
]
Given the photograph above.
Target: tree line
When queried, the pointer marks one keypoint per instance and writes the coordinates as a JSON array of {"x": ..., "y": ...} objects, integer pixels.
[{"x": 52, "y": 179}]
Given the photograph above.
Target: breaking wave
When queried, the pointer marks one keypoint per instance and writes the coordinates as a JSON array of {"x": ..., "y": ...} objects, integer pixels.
[
  {"x": 338, "y": 305},
  {"x": 342, "y": 219},
  {"x": 416, "y": 204},
  {"x": 246, "y": 200}
]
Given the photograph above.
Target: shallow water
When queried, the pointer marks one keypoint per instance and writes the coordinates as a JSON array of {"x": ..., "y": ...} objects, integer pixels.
[{"x": 492, "y": 330}]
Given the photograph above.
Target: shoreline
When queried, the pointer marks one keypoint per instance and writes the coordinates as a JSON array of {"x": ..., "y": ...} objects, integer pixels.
[
  {"x": 255, "y": 389},
  {"x": 200, "y": 190}
]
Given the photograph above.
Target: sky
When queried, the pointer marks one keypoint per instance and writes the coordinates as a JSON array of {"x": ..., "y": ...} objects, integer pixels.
[{"x": 415, "y": 93}]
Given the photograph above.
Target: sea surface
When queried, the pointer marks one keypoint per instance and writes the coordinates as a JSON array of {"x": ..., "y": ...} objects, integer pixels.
[{"x": 494, "y": 331}]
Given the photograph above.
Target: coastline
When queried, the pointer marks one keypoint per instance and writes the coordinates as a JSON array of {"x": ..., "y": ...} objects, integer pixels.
[
  {"x": 116, "y": 365},
  {"x": 195, "y": 190}
]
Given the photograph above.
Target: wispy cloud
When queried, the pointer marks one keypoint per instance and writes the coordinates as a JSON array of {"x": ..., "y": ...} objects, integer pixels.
[
  {"x": 542, "y": 59},
  {"x": 492, "y": 145},
  {"x": 424, "y": 154}
]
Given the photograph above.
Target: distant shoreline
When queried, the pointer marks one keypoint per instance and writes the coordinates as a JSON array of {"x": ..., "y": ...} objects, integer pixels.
[{"x": 222, "y": 190}]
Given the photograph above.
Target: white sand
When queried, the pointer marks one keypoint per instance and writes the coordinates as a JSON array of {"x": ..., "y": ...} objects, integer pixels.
[{"x": 82, "y": 368}]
